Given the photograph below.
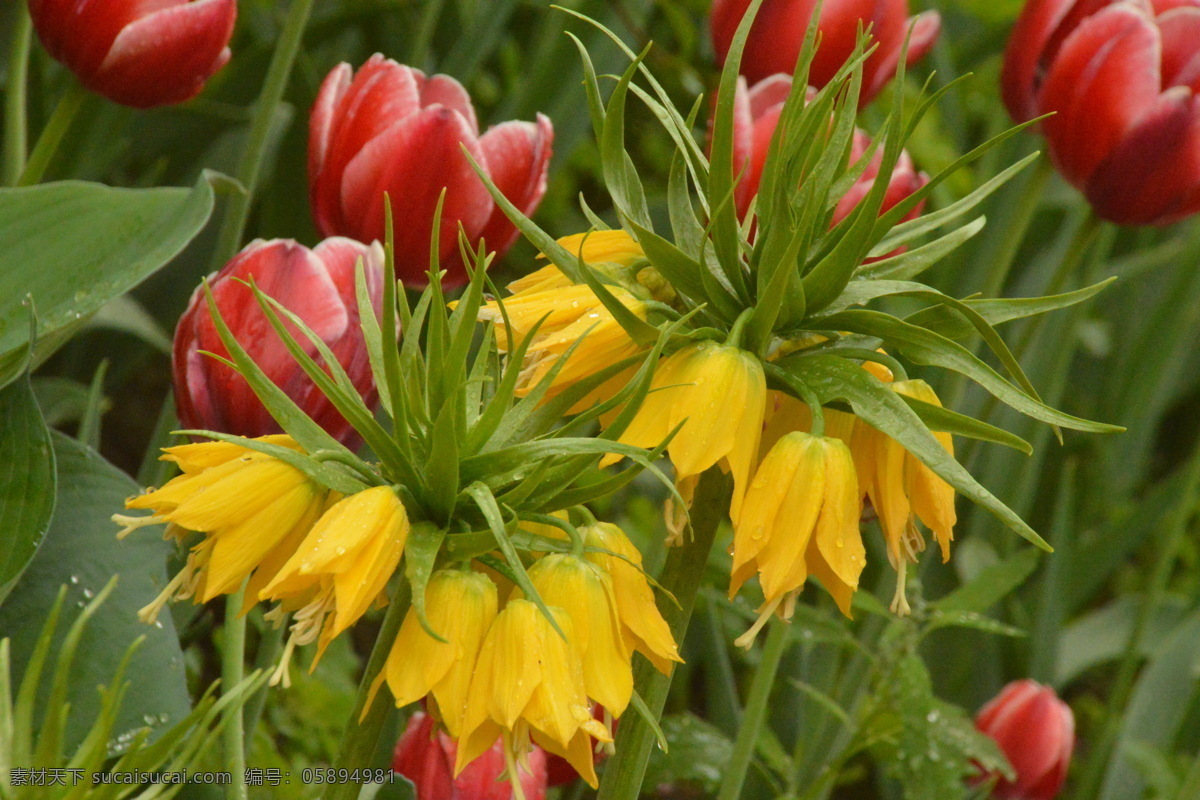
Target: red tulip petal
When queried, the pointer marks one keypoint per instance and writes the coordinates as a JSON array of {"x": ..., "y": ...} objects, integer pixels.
[
  {"x": 1104, "y": 79},
  {"x": 518, "y": 159},
  {"x": 743, "y": 146},
  {"x": 450, "y": 93},
  {"x": 768, "y": 93},
  {"x": 322, "y": 118},
  {"x": 1153, "y": 176},
  {"x": 166, "y": 57},
  {"x": 1021, "y": 76},
  {"x": 775, "y": 38},
  {"x": 839, "y": 26},
  {"x": 79, "y": 33},
  {"x": 1163, "y": 6},
  {"x": 1181, "y": 48},
  {"x": 881, "y": 67},
  {"x": 412, "y": 161}
]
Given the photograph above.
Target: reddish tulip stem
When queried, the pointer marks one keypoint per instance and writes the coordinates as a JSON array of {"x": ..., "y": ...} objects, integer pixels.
[
  {"x": 15, "y": 133},
  {"x": 52, "y": 135},
  {"x": 233, "y": 225}
]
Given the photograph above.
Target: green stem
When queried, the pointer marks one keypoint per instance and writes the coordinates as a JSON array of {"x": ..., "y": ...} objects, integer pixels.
[
  {"x": 269, "y": 647},
  {"x": 233, "y": 668},
  {"x": 15, "y": 124},
  {"x": 361, "y": 736},
  {"x": 52, "y": 135},
  {"x": 233, "y": 226},
  {"x": 756, "y": 711},
  {"x": 681, "y": 577},
  {"x": 1164, "y": 565}
]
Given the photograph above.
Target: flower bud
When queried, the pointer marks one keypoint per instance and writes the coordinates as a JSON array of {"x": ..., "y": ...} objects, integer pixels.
[
  {"x": 1036, "y": 732},
  {"x": 427, "y": 759},
  {"x": 137, "y": 53},
  {"x": 777, "y": 37},
  {"x": 1121, "y": 79},
  {"x": 319, "y": 287},
  {"x": 390, "y": 129}
]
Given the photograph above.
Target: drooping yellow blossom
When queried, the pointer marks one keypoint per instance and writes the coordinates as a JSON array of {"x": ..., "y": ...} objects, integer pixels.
[
  {"x": 585, "y": 593},
  {"x": 721, "y": 392},
  {"x": 642, "y": 625},
  {"x": 785, "y": 414},
  {"x": 459, "y": 607},
  {"x": 251, "y": 507},
  {"x": 528, "y": 684},
  {"x": 800, "y": 518},
  {"x": 340, "y": 568},
  {"x": 904, "y": 490}
]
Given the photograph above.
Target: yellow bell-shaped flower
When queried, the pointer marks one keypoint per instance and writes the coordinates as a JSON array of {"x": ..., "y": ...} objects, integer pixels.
[
  {"x": 642, "y": 625},
  {"x": 250, "y": 506},
  {"x": 903, "y": 490},
  {"x": 341, "y": 567},
  {"x": 719, "y": 394},
  {"x": 800, "y": 518},
  {"x": 459, "y": 607},
  {"x": 528, "y": 685},
  {"x": 585, "y": 593}
]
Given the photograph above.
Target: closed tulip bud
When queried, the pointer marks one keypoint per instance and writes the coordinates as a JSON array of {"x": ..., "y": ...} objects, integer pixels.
[
  {"x": 777, "y": 37},
  {"x": 1036, "y": 732},
  {"x": 756, "y": 114},
  {"x": 427, "y": 757},
  {"x": 138, "y": 53},
  {"x": 390, "y": 129},
  {"x": 319, "y": 287},
  {"x": 1121, "y": 79}
]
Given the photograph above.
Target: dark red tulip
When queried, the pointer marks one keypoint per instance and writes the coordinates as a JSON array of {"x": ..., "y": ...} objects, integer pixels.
[
  {"x": 1036, "y": 732},
  {"x": 778, "y": 34},
  {"x": 319, "y": 287},
  {"x": 389, "y": 128},
  {"x": 425, "y": 755},
  {"x": 756, "y": 113},
  {"x": 140, "y": 53},
  {"x": 1122, "y": 79}
]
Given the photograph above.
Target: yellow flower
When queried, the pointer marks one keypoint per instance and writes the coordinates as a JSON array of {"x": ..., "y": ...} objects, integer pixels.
[
  {"x": 785, "y": 414},
  {"x": 585, "y": 593},
  {"x": 340, "y": 568},
  {"x": 251, "y": 506},
  {"x": 721, "y": 393},
  {"x": 800, "y": 518},
  {"x": 459, "y": 607},
  {"x": 528, "y": 684},
  {"x": 642, "y": 626},
  {"x": 903, "y": 490}
]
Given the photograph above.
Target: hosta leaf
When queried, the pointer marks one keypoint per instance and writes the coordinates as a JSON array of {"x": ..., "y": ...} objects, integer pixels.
[{"x": 27, "y": 481}]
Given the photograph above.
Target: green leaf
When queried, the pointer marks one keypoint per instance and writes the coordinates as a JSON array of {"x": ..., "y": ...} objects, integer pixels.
[
  {"x": 938, "y": 418},
  {"x": 80, "y": 551},
  {"x": 697, "y": 756},
  {"x": 420, "y": 553},
  {"x": 75, "y": 246},
  {"x": 953, "y": 324},
  {"x": 992, "y": 584},
  {"x": 27, "y": 481}
]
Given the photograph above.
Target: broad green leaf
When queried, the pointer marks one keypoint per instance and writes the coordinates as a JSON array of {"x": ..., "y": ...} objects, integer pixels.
[
  {"x": 27, "y": 481},
  {"x": 75, "y": 246},
  {"x": 81, "y": 552}
]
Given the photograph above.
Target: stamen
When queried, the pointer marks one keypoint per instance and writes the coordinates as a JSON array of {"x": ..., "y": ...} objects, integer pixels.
[
  {"x": 510, "y": 768},
  {"x": 900, "y": 605},
  {"x": 746, "y": 640},
  {"x": 282, "y": 673},
  {"x": 132, "y": 523},
  {"x": 149, "y": 613}
]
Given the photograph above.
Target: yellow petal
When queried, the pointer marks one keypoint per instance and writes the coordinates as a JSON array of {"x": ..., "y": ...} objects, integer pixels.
[
  {"x": 237, "y": 494},
  {"x": 782, "y": 566},
  {"x": 195, "y": 458},
  {"x": 837, "y": 532}
]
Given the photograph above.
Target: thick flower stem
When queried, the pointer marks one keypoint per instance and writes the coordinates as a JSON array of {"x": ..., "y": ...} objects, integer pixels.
[
  {"x": 361, "y": 736},
  {"x": 756, "y": 711},
  {"x": 681, "y": 576},
  {"x": 233, "y": 225},
  {"x": 15, "y": 134},
  {"x": 233, "y": 654},
  {"x": 1176, "y": 530},
  {"x": 52, "y": 135}
]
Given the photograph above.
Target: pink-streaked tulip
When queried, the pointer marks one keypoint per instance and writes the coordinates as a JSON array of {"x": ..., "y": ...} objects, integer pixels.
[
  {"x": 778, "y": 35},
  {"x": 756, "y": 113},
  {"x": 140, "y": 53},
  {"x": 1036, "y": 732},
  {"x": 425, "y": 755},
  {"x": 389, "y": 128},
  {"x": 316, "y": 285},
  {"x": 1123, "y": 81}
]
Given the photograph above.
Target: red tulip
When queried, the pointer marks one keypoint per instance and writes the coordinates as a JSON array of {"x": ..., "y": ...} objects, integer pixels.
[
  {"x": 319, "y": 287},
  {"x": 756, "y": 113},
  {"x": 426, "y": 758},
  {"x": 141, "y": 53},
  {"x": 391, "y": 129},
  {"x": 1036, "y": 732},
  {"x": 1123, "y": 80},
  {"x": 778, "y": 34}
]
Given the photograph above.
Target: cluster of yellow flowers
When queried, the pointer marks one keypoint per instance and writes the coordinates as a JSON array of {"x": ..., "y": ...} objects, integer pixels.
[{"x": 797, "y": 497}]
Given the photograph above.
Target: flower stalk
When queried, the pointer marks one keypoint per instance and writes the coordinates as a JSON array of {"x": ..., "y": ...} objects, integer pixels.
[
  {"x": 15, "y": 131},
  {"x": 52, "y": 135}
]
